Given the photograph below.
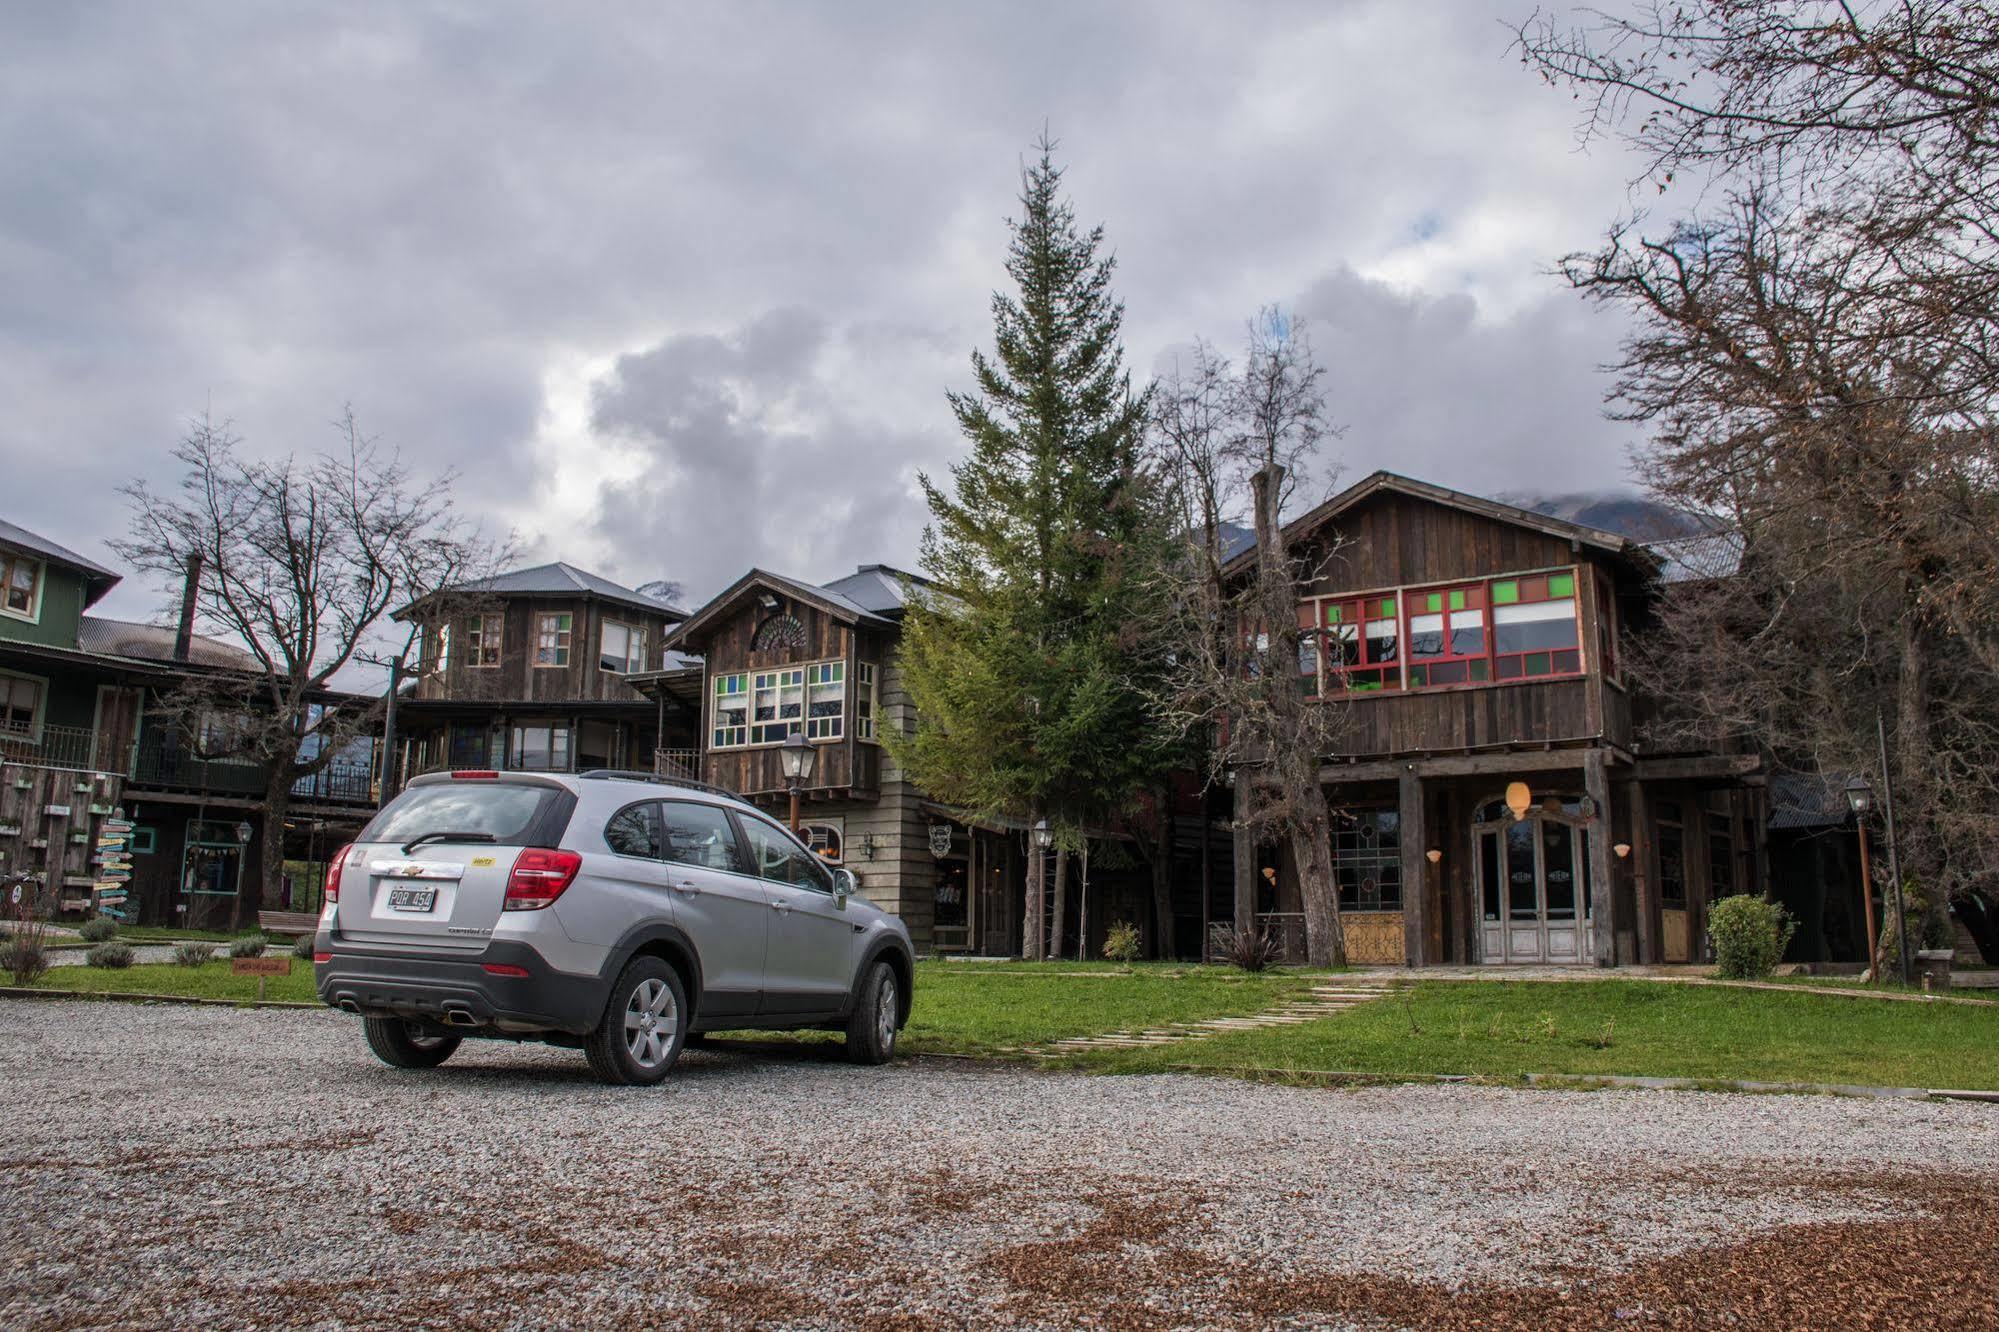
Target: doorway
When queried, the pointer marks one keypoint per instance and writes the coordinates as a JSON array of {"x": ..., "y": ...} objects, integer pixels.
[{"x": 1533, "y": 882}]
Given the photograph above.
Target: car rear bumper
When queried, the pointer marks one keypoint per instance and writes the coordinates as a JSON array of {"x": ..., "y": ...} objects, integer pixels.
[{"x": 458, "y": 991}]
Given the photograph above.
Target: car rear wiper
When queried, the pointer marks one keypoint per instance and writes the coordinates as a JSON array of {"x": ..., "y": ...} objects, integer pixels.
[{"x": 417, "y": 841}]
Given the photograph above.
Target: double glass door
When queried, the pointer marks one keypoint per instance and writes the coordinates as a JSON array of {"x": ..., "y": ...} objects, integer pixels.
[{"x": 1534, "y": 889}]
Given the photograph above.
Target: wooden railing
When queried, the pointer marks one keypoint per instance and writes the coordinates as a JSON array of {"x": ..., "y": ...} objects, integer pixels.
[
  {"x": 59, "y": 747},
  {"x": 682, "y": 763}
]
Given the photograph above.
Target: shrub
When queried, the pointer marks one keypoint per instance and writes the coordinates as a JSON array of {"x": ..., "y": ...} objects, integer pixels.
[
  {"x": 112, "y": 955},
  {"x": 1252, "y": 950},
  {"x": 250, "y": 945},
  {"x": 1121, "y": 942},
  {"x": 97, "y": 929},
  {"x": 193, "y": 952},
  {"x": 1749, "y": 936},
  {"x": 24, "y": 953},
  {"x": 302, "y": 947}
]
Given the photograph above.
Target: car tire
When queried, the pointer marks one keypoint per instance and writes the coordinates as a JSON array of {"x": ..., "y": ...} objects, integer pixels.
[
  {"x": 643, "y": 1028},
  {"x": 872, "y": 1025},
  {"x": 401, "y": 1044}
]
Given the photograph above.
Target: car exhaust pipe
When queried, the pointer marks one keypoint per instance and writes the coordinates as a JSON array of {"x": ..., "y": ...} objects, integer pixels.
[
  {"x": 349, "y": 1006},
  {"x": 459, "y": 1017}
]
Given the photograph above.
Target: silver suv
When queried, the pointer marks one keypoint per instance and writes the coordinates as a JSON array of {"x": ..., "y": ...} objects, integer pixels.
[{"x": 615, "y": 912}]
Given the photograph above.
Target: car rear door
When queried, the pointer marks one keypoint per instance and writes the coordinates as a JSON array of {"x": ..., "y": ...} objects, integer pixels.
[
  {"x": 810, "y": 957},
  {"x": 718, "y": 904},
  {"x": 430, "y": 870}
]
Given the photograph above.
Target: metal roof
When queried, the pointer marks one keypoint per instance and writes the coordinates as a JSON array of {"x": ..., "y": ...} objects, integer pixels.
[
  {"x": 150, "y": 642},
  {"x": 879, "y": 589},
  {"x": 562, "y": 579},
  {"x": 1701, "y": 558},
  {"x": 97, "y": 579},
  {"x": 1808, "y": 800}
]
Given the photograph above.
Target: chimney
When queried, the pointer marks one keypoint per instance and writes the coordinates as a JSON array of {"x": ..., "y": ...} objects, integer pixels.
[{"x": 184, "y": 634}]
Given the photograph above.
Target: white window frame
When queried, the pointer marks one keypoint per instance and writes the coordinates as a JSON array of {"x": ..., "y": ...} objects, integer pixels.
[
  {"x": 635, "y": 645},
  {"x": 483, "y": 636},
  {"x": 565, "y": 647},
  {"x": 8, "y": 562},
  {"x": 837, "y": 826},
  {"x": 867, "y": 685},
  {"x": 40, "y": 715},
  {"x": 715, "y": 697},
  {"x": 776, "y": 681},
  {"x": 833, "y": 727},
  {"x": 517, "y": 752}
]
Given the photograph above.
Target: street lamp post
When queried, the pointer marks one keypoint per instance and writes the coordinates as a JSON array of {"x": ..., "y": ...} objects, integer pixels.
[
  {"x": 797, "y": 756},
  {"x": 1860, "y": 799},
  {"x": 1043, "y": 837}
]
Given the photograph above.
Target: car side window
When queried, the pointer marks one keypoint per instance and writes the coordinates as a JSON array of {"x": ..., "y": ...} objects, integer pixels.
[
  {"x": 636, "y": 830},
  {"x": 780, "y": 859},
  {"x": 700, "y": 835}
]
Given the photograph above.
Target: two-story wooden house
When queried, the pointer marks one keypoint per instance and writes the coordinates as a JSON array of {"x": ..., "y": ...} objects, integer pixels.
[
  {"x": 530, "y": 670},
  {"x": 81, "y": 740},
  {"x": 1492, "y": 800}
]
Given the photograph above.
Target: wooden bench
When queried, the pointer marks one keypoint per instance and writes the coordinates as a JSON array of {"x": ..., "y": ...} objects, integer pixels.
[{"x": 291, "y": 923}]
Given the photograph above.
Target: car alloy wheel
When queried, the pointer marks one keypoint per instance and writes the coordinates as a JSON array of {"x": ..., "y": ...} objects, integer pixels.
[{"x": 651, "y": 1021}]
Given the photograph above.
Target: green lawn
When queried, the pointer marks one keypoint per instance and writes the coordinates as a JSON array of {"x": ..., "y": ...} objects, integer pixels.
[
  {"x": 1494, "y": 1029},
  {"x": 211, "y": 980},
  {"x": 1503, "y": 1029}
]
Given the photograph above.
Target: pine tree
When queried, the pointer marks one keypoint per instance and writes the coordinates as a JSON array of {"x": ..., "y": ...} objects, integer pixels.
[{"x": 1031, "y": 678}]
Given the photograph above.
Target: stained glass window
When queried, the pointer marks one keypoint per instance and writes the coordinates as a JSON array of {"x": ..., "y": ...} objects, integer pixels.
[
  {"x": 731, "y": 715},
  {"x": 1367, "y": 859}
]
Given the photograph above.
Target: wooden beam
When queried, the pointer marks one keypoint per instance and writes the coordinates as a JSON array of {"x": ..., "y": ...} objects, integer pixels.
[
  {"x": 1244, "y": 846},
  {"x": 1457, "y": 765},
  {"x": 1696, "y": 767},
  {"x": 1644, "y": 882},
  {"x": 1415, "y": 872},
  {"x": 1596, "y": 782}
]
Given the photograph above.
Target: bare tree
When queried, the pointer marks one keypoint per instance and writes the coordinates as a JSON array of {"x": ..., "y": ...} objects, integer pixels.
[
  {"x": 301, "y": 562},
  {"x": 1226, "y": 437},
  {"x": 1816, "y": 356}
]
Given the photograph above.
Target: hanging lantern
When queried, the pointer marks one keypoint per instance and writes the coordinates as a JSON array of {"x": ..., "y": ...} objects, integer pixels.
[{"x": 1519, "y": 799}]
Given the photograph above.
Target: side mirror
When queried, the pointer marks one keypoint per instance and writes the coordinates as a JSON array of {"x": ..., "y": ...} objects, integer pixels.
[{"x": 845, "y": 885}]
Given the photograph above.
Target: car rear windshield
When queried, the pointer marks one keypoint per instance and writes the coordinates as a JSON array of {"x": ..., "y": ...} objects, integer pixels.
[{"x": 508, "y": 813}]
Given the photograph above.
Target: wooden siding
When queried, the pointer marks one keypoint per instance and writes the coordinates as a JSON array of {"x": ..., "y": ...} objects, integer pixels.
[
  {"x": 516, "y": 679},
  {"x": 756, "y": 769},
  {"x": 1472, "y": 717},
  {"x": 1398, "y": 540}
]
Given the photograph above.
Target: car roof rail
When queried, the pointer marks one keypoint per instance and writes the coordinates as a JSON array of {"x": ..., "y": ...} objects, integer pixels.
[{"x": 639, "y": 775}]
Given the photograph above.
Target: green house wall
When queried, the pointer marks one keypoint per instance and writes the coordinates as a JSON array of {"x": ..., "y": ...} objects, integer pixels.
[{"x": 62, "y": 608}]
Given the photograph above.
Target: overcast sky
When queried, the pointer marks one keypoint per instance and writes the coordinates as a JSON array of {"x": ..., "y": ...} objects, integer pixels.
[{"x": 679, "y": 292}]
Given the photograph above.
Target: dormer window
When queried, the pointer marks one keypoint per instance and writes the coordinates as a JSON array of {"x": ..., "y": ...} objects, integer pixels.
[
  {"x": 623, "y": 650},
  {"x": 20, "y": 586}
]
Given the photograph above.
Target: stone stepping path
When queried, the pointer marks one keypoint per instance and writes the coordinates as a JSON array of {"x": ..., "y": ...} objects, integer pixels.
[{"x": 1327, "y": 999}]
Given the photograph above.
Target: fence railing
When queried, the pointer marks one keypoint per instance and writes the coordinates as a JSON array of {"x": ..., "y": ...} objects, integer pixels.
[
  {"x": 60, "y": 747},
  {"x": 682, "y": 763}
]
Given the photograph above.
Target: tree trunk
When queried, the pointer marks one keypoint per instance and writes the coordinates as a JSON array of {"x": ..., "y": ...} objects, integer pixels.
[
  {"x": 1162, "y": 879},
  {"x": 1061, "y": 904},
  {"x": 1297, "y": 773},
  {"x": 270, "y": 851},
  {"x": 1030, "y": 924}
]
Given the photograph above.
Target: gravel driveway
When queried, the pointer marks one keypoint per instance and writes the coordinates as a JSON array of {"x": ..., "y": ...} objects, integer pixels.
[{"x": 172, "y": 1166}]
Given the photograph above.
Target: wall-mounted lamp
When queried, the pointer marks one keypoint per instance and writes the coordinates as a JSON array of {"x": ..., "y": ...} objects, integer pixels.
[
  {"x": 767, "y": 601},
  {"x": 1519, "y": 799},
  {"x": 1433, "y": 855},
  {"x": 1622, "y": 849},
  {"x": 865, "y": 848}
]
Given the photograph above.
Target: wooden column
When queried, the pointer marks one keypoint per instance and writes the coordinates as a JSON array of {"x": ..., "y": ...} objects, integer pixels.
[
  {"x": 1644, "y": 881},
  {"x": 1415, "y": 872},
  {"x": 1596, "y": 782},
  {"x": 1244, "y": 844}
]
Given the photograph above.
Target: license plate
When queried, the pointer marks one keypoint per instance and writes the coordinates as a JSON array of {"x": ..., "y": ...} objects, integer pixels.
[{"x": 411, "y": 899}]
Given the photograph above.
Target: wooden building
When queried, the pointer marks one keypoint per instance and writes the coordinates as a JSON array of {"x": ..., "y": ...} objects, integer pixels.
[
  {"x": 1493, "y": 801},
  {"x": 81, "y": 740},
  {"x": 532, "y": 671}
]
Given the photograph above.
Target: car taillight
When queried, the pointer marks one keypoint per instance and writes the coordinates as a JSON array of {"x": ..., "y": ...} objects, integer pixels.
[
  {"x": 321, "y": 958},
  {"x": 476, "y": 775},
  {"x": 539, "y": 876},
  {"x": 504, "y": 969},
  {"x": 333, "y": 872}
]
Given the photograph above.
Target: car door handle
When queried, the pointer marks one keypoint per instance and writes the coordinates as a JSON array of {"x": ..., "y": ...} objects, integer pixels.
[
  {"x": 780, "y": 908},
  {"x": 687, "y": 889}
]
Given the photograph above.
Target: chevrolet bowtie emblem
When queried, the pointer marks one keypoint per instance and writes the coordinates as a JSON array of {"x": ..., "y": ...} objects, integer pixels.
[{"x": 412, "y": 871}]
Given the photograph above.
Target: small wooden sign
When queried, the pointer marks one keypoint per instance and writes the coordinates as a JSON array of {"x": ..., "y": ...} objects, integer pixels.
[{"x": 261, "y": 966}]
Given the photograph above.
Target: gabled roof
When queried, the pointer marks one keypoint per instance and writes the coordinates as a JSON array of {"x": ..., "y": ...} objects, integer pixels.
[
  {"x": 841, "y": 605},
  {"x": 97, "y": 580},
  {"x": 1392, "y": 482},
  {"x": 566, "y": 580}
]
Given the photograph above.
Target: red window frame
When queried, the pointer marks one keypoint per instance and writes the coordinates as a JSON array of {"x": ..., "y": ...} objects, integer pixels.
[
  {"x": 1371, "y": 671},
  {"x": 1449, "y": 667}
]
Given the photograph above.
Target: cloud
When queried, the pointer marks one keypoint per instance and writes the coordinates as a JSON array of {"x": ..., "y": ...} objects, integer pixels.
[{"x": 679, "y": 290}]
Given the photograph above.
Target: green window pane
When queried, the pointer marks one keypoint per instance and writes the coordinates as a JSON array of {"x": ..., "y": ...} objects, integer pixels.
[
  {"x": 1478, "y": 670},
  {"x": 1562, "y": 585},
  {"x": 1387, "y": 606},
  {"x": 1332, "y": 615},
  {"x": 1457, "y": 600},
  {"x": 1435, "y": 601},
  {"x": 1419, "y": 675},
  {"x": 1505, "y": 594},
  {"x": 1537, "y": 663}
]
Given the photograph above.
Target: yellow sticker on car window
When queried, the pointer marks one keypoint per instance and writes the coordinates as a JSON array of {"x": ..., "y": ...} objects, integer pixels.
[{"x": 483, "y": 862}]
